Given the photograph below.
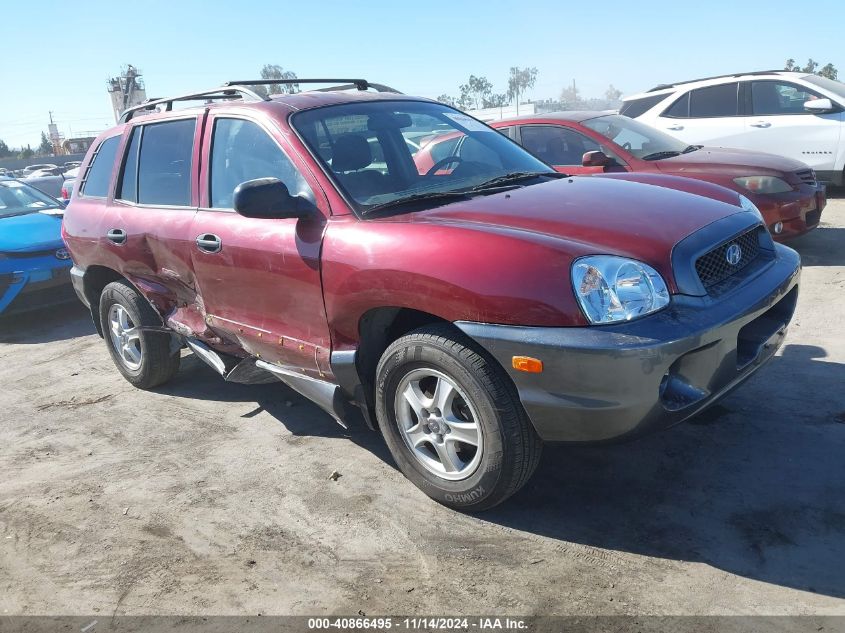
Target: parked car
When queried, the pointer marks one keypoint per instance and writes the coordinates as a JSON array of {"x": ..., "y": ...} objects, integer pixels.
[
  {"x": 471, "y": 313},
  {"x": 785, "y": 190},
  {"x": 34, "y": 263},
  {"x": 50, "y": 181},
  {"x": 791, "y": 114},
  {"x": 66, "y": 190},
  {"x": 29, "y": 169}
]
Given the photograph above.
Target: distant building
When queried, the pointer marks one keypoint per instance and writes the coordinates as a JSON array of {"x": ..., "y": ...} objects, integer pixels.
[{"x": 126, "y": 91}]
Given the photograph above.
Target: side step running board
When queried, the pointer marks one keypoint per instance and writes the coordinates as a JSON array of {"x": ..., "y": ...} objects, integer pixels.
[{"x": 325, "y": 395}]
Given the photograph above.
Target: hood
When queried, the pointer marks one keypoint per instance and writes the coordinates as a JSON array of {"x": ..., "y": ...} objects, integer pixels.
[
  {"x": 30, "y": 232},
  {"x": 730, "y": 162},
  {"x": 592, "y": 215}
]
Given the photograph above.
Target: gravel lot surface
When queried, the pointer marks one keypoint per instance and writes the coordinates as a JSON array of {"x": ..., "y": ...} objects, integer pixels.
[{"x": 213, "y": 498}]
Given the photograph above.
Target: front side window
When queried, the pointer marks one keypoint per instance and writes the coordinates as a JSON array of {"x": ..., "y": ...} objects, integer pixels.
[
  {"x": 638, "y": 139},
  {"x": 369, "y": 149},
  {"x": 778, "y": 97},
  {"x": 98, "y": 176},
  {"x": 557, "y": 145},
  {"x": 164, "y": 163},
  {"x": 240, "y": 151}
]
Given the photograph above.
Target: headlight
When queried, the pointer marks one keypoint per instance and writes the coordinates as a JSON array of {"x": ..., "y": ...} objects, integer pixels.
[
  {"x": 749, "y": 206},
  {"x": 612, "y": 289},
  {"x": 763, "y": 184}
]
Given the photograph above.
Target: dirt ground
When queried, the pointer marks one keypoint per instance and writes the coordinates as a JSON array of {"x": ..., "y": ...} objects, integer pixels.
[{"x": 213, "y": 498}]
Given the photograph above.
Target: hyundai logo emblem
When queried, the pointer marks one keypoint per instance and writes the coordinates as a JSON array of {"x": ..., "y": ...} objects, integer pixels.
[
  {"x": 733, "y": 254},
  {"x": 62, "y": 254}
]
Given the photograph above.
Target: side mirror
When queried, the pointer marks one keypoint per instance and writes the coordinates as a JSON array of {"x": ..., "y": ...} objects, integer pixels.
[
  {"x": 596, "y": 159},
  {"x": 820, "y": 106},
  {"x": 268, "y": 198}
]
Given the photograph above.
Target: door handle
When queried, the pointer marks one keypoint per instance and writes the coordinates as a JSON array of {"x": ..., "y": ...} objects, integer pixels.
[
  {"x": 761, "y": 124},
  {"x": 209, "y": 243},
  {"x": 116, "y": 236},
  {"x": 675, "y": 127}
]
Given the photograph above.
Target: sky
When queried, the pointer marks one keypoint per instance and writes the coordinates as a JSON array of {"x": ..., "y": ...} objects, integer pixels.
[{"x": 58, "y": 55}]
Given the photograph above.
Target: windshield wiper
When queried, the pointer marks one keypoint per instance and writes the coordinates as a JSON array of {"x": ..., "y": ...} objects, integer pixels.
[
  {"x": 692, "y": 148},
  {"x": 418, "y": 197},
  {"x": 659, "y": 155},
  {"x": 514, "y": 177}
]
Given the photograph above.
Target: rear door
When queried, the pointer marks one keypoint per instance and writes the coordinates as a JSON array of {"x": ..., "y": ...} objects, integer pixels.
[
  {"x": 151, "y": 214},
  {"x": 778, "y": 124},
  {"x": 259, "y": 279},
  {"x": 706, "y": 116}
]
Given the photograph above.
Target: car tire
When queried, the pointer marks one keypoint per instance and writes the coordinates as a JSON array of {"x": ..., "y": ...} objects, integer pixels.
[
  {"x": 145, "y": 358},
  {"x": 437, "y": 366}
]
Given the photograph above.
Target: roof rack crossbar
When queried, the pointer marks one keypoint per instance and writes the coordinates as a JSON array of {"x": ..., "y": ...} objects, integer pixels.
[
  {"x": 225, "y": 92},
  {"x": 360, "y": 84},
  {"x": 692, "y": 81}
]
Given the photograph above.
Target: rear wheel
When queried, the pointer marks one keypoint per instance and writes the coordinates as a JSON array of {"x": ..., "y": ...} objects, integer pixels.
[
  {"x": 453, "y": 420},
  {"x": 145, "y": 358}
]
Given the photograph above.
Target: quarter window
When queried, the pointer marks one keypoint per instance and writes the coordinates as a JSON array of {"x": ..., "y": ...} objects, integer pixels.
[
  {"x": 128, "y": 187},
  {"x": 99, "y": 172},
  {"x": 164, "y": 163},
  {"x": 240, "y": 151},
  {"x": 557, "y": 145},
  {"x": 635, "y": 107},
  {"x": 775, "y": 97}
]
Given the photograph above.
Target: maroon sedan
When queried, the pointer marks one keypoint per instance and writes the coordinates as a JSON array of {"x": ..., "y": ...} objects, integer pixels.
[{"x": 785, "y": 190}]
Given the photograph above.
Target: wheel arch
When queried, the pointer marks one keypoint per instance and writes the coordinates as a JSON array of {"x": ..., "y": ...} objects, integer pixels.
[{"x": 94, "y": 281}]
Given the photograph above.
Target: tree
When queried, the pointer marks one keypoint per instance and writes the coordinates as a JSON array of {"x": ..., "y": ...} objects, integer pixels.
[
  {"x": 520, "y": 80},
  {"x": 828, "y": 70},
  {"x": 274, "y": 71},
  {"x": 46, "y": 147},
  {"x": 476, "y": 90},
  {"x": 612, "y": 93},
  {"x": 496, "y": 101},
  {"x": 26, "y": 153},
  {"x": 571, "y": 96},
  {"x": 5, "y": 152},
  {"x": 449, "y": 101}
]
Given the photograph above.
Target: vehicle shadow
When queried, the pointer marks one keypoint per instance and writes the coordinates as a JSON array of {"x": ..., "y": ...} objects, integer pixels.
[
  {"x": 58, "y": 323},
  {"x": 296, "y": 413},
  {"x": 821, "y": 246},
  {"x": 754, "y": 487}
]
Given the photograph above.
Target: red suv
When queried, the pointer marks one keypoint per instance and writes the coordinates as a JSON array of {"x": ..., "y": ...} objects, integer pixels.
[
  {"x": 471, "y": 312},
  {"x": 785, "y": 190}
]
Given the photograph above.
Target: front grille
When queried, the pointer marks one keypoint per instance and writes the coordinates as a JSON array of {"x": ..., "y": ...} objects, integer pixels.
[
  {"x": 30, "y": 254},
  {"x": 812, "y": 218},
  {"x": 713, "y": 267},
  {"x": 806, "y": 176}
]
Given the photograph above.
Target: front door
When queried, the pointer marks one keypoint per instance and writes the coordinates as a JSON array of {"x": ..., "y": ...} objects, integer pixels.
[{"x": 259, "y": 279}]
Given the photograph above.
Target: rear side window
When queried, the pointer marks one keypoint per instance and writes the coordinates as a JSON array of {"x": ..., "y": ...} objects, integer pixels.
[
  {"x": 164, "y": 163},
  {"x": 714, "y": 101},
  {"x": 96, "y": 182},
  {"x": 636, "y": 107}
]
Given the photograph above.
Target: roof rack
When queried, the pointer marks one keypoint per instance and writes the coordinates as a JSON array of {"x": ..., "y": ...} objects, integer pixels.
[
  {"x": 345, "y": 84},
  {"x": 692, "y": 81},
  {"x": 227, "y": 92}
]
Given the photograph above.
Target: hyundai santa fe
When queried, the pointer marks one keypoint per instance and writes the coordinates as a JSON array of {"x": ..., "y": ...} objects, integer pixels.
[{"x": 470, "y": 313}]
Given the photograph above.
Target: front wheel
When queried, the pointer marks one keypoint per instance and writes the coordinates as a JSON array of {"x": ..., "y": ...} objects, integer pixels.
[
  {"x": 146, "y": 358},
  {"x": 453, "y": 421}
]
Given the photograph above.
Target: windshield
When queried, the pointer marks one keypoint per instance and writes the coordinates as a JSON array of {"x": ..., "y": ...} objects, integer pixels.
[
  {"x": 831, "y": 85},
  {"x": 382, "y": 153},
  {"x": 16, "y": 198},
  {"x": 638, "y": 139}
]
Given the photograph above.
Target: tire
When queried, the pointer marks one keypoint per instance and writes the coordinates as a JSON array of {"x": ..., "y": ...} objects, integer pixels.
[
  {"x": 476, "y": 394},
  {"x": 149, "y": 359}
]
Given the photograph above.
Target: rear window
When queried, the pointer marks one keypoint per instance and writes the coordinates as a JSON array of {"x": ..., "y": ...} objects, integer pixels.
[
  {"x": 636, "y": 107},
  {"x": 96, "y": 183}
]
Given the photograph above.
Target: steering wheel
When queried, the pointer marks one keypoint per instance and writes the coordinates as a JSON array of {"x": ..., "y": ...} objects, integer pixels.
[
  {"x": 443, "y": 161},
  {"x": 626, "y": 146}
]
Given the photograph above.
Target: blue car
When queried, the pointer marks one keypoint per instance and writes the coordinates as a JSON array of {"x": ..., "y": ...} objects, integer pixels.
[{"x": 34, "y": 264}]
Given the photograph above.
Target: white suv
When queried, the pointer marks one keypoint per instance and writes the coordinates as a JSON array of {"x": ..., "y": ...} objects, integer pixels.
[{"x": 792, "y": 114}]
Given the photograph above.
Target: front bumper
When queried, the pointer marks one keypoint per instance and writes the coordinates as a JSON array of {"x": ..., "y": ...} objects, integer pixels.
[
  {"x": 32, "y": 283},
  {"x": 608, "y": 382},
  {"x": 798, "y": 212}
]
